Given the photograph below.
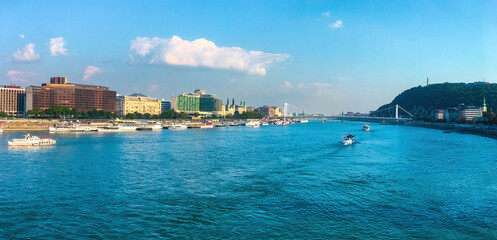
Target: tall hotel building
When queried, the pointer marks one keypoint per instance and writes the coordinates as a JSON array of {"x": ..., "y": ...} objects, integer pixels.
[
  {"x": 197, "y": 102},
  {"x": 80, "y": 96},
  {"x": 12, "y": 99}
]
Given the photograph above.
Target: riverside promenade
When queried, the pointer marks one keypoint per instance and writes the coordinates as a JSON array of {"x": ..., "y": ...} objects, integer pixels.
[{"x": 477, "y": 129}]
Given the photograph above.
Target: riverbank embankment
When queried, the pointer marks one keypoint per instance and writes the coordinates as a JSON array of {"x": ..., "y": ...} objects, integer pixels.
[{"x": 479, "y": 129}]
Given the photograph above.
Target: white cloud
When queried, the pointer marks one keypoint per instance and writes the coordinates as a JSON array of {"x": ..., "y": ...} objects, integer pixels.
[
  {"x": 21, "y": 36},
  {"x": 57, "y": 46},
  {"x": 19, "y": 77},
  {"x": 27, "y": 54},
  {"x": 201, "y": 53},
  {"x": 336, "y": 24},
  {"x": 90, "y": 71},
  {"x": 287, "y": 84}
]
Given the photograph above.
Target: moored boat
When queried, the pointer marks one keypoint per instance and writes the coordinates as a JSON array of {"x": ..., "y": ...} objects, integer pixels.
[
  {"x": 207, "y": 125},
  {"x": 348, "y": 139},
  {"x": 253, "y": 124},
  {"x": 29, "y": 140},
  {"x": 366, "y": 128},
  {"x": 149, "y": 127},
  {"x": 177, "y": 127}
]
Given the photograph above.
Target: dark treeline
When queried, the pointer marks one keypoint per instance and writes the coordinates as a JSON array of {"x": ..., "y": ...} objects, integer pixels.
[{"x": 68, "y": 113}]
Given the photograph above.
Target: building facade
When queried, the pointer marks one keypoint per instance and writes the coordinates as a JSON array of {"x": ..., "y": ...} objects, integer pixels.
[
  {"x": 80, "y": 96},
  {"x": 470, "y": 112},
  {"x": 165, "y": 105},
  {"x": 12, "y": 100},
  {"x": 197, "y": 102},
  {"x": 138, "y": 103}
]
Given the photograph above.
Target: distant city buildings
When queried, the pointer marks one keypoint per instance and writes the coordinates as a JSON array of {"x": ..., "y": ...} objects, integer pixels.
[
  {"x": 138, "y": 103},
  {"x": 270, "y": 111},
  {"x": 198, "y": 102},
  {"x": 165, "y": 105},
  {"x": 12, "y": 99},
  {"x": 60, "y": 93}
]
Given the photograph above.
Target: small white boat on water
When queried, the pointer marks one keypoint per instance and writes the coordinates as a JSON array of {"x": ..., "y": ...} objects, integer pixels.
[
  {"x": 253, "y": 124},
  {"x": 348, "y": 139},
  {"x": 29, "y": 140},
  {"x": 177, "y": 127},
  {"x": 303, "y": 121},
  {"x": 366, "y": 128},
  {"x": 1, "y": 130}
]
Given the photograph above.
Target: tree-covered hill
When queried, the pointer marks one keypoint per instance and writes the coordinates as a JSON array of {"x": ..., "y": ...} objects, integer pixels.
[{"x": 421, "y": 100}]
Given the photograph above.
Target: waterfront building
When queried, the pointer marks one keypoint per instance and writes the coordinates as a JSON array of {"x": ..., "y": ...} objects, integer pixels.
[
  {"x": 138, "y": 103},
  {"x": 468, "y": 113},
  {"x": 165, "y": 105},
  {"x": 198, "y": 102},
  {"x": 12, "y": 100},
  {"x": 61, "y": 93},
  {"x": 452, "y": 114},
  {"x": 267, "y": 111},
  {"x": 438, "y": 115}
]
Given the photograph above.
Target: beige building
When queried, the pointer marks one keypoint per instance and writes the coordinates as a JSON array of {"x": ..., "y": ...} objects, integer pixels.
[
  {"x": 12, "y": 100},
  {"x": 138, "y": 103}
]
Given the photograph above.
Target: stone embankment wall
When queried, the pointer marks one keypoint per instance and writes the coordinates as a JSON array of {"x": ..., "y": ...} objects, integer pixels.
[
  {"x": 478, "y": 129},
  {"x": 24, "y": 125}
]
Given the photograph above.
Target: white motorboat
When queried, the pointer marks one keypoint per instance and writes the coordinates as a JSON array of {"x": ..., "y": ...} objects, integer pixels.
[
  {"x": 304, "y": 121},
  {"x": 253, "y": 124},
  {"x": 348, "y": 139},
  {"x": 366, "y": 128},
  {"x": 177, "y": 127},
  {"x": 29, "y": 140}
]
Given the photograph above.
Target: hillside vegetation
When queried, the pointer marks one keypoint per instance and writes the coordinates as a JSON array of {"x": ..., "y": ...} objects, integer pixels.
[{"x": 422, "y": 100}]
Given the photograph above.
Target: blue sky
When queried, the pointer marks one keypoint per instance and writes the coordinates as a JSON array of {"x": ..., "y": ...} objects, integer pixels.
[{"x": 322, "y": 56}]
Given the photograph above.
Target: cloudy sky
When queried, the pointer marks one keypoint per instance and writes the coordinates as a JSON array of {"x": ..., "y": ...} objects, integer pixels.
[{"x": 321, "y": 56}]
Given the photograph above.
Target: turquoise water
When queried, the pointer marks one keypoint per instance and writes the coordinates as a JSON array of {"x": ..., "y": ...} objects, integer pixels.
[{"x": 296, "y": 181}]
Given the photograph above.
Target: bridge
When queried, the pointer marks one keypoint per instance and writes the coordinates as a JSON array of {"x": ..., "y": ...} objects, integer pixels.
[
  {"x": 387, "y": 115},
  {"x": 392, "y": 114}
]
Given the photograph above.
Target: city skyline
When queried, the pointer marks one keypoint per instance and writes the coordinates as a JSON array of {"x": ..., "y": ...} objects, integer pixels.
[{"x": 318, "y": 55}]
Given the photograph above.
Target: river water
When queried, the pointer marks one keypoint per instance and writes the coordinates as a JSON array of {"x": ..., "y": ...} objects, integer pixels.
[{"x": 295, "y": 182}]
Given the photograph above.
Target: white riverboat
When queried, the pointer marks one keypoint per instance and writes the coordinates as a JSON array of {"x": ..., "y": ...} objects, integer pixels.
[
  {"x": 149, "y": 127},
  {"x": 73, "y": 128},
  {"x": 117, "y": 128},
  {"x": 29, "y": 140},
  {"x": 253, "y": 124},
  {"x": 348, "y": 139},
  {"x": 366, "y": 128},
  {"x": 177, "y": 127}
]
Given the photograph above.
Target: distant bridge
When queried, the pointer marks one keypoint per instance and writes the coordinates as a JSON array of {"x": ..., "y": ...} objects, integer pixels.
[
  {"x": 392, "y": 114},
  {"x": 387, "y": 115}
]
